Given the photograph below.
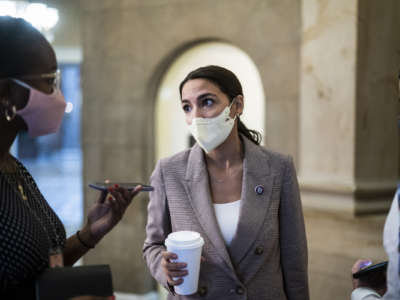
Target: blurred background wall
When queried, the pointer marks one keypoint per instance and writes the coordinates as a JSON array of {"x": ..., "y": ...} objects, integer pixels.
[{"x": 323, "y": 88}]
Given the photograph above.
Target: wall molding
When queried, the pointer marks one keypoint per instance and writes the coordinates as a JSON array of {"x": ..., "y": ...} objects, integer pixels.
[{"x": 357, "y": 198}]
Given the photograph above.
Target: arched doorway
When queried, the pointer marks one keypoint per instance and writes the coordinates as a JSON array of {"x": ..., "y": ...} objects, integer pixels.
[{"x": 172, "y": 135}]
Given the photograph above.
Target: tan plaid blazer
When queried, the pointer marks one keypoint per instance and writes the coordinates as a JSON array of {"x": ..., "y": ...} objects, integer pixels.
[{"x": 267, "y": 259}]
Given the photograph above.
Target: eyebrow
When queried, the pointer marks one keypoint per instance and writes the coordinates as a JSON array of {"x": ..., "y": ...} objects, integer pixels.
[{"x": 202, "y": 96}]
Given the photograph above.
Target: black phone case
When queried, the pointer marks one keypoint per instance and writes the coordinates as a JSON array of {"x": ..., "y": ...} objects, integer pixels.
[
  {"x": 101, "y": 186},
  {"x": 380, "y": 267},
  {"x": 65, "y": 283}
]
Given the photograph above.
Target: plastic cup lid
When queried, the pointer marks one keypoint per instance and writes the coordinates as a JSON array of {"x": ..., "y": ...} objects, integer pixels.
[{"x": 184, "y": 239}]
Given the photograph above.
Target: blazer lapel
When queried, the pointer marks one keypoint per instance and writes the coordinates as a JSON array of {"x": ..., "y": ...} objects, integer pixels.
[
  {"x": 254, "y": 206},
  {"x": 198, "y": 190}
]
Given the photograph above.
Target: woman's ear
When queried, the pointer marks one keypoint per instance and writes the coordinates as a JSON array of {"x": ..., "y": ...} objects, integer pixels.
[
  {"x": 7, "y": 107},
  {"x": 239, "y": 104},
  {"x": 14, "y": 93}
]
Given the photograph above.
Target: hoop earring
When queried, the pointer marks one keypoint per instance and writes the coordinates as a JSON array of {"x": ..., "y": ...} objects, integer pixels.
[
  {"x": 10, "y": 116},
  {"x": 10, "y": 111}
]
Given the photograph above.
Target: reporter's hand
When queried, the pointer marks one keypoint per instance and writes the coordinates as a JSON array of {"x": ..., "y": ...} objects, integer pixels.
[
  {"x": 173, "y": 270},
  {"x": 358, "y": 265},
  {"x": 107, "y": 211}
]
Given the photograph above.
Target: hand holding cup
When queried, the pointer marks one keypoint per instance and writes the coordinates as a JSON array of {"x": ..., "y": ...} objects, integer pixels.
[
  {"x": 184, "y": 251},
  {"x": 173, "y": 270}
]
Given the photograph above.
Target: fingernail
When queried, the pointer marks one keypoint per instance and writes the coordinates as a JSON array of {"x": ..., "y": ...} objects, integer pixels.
[{"x": 366, "y": 264}]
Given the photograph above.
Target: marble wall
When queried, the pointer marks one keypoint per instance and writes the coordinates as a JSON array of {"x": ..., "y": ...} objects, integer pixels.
[
  {"x": 348, "y": 105},
  {"x": 327, "y": 101},
  {"x": 335, "y": 242},
  {"x": 377, "y": 103}
]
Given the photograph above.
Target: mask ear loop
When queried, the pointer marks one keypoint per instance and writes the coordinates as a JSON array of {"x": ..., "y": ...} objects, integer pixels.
[{"x": 230, "y": 107}]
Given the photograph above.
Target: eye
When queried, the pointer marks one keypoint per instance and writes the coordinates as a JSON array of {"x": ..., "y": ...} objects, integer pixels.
[
  {"x": 207, "y": 102},
  {"x": 50, "y": 81},
  {"x": 186, "y": 108}
]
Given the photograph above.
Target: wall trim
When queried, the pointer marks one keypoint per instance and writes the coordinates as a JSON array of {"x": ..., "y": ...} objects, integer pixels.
[{"x": 351, "y": 199}]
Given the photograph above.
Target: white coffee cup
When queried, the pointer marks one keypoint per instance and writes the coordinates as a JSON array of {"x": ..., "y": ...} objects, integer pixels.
[{"x": 187, "y": 245}]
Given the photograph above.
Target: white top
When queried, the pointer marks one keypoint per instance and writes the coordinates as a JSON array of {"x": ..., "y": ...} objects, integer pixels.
[
  {"x": 363, "y": 293},
  {"x": 228, "y": 218},
  {"x": 390, "y": 242}
]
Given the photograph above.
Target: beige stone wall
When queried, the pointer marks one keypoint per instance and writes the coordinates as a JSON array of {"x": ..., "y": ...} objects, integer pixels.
[
  {"x": 348, "y": 134},
  {"x": 348, "y": 107},
  {"x": 377, "y": 131},
  {"x": 335, "y": 243},
  {"x": 327, "y": 102}
]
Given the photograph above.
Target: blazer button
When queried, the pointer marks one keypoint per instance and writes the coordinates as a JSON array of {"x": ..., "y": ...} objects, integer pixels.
[
  {"x": 259, "y": 250},
  {"x": 202, "y": 291},
  {"x": 239, "y": 290},
  {"x": 259, "y": 189}
]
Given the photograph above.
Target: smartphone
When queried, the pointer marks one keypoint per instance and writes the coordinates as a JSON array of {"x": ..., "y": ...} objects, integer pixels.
[
  {"x": 102, "y": 186},
  {"x": 370, "y": 270}
]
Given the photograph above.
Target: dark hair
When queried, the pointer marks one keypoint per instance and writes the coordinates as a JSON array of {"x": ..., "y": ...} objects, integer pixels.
[
  {"x": 230, "y": 85},
  {"x": 17, "y": 40}
]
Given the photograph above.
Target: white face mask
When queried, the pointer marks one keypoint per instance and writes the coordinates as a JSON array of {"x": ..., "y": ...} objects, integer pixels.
[{"x": 212, "y": 132}]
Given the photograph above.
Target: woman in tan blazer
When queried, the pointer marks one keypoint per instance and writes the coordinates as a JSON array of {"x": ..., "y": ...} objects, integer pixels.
[{"x": 243, "y": 200}]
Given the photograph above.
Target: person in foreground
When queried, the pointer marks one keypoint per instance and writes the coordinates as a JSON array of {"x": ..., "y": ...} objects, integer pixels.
[
  {"x": 32, "y": 237},
  {"x": 242, "y": 198},
  {"x": 365, "y": 291}
]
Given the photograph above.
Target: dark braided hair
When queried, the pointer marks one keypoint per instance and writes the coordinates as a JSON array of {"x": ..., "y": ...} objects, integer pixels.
[
  {"x": 18, "y": 46},
  {"x": 229, "y": 85}
]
